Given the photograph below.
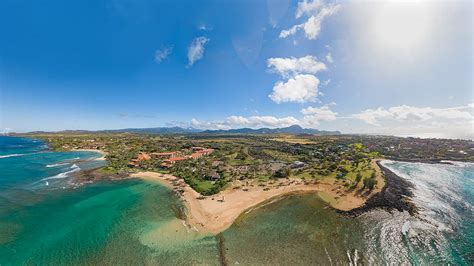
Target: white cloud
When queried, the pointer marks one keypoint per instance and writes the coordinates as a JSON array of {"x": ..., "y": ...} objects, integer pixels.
[
  {"x": 250, "y": 122},
  {"x": 313, "y": 115},
  {"x": 287, "y": 67},
  {"x": 405, "y": 113},
  {"x": 209, "y": 124},
  {"x": 196, "y": 50},
  {"x": 329, "y": 58},
  {"x": 301, "y": 84},
  {"x": 301, "y": 88},
  {"x": 163, "y": 53},
  {"x": 308, "y": 8},
  {"x": 261, "y": 121},
  {"x": 317, "y": 12}
]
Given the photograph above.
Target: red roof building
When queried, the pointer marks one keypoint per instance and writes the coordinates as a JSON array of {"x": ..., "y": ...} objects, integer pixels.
[{"x": 164, "y": 154}]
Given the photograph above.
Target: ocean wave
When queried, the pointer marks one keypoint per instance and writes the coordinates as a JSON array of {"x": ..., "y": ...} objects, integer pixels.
[
  {"x": 11, "y": 155},
  {"x": 73, "y": 159},
  {"x": 440, "y": 197},
  {"x": 458, "y": 163},
  {"x": 56, "y": 165},
  {"x": 73, "y": 168}
]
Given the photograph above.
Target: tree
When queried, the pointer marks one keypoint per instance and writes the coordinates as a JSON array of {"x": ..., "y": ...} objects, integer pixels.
[
  {"x": 282, "y": 173},
  {"x": 358, "y": 178},
  {"x": 370, "y": 183},
  {"x": 340, "y": 175}
]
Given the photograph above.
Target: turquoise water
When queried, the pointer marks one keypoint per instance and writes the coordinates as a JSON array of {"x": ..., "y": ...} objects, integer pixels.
[
  {"x": 45, "y": 218},
  {"x": 102, "y": 223},
  {"x": 300, "y": 230}
]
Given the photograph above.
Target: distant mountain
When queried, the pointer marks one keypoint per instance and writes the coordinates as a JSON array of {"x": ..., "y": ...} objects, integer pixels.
[
  {"x": 295, "y": 129},
  {"x": 154, "y": 130}
]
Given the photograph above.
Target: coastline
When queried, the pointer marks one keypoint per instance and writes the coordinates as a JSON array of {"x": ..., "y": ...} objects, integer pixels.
[
  {"x": 214, "y": 214},
  {"x": 103, "y": 153},
  {"x": 394, "y": 195}
]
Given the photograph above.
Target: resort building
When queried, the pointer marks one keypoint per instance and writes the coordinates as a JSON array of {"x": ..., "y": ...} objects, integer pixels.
[
  {"x": 160, "y": 155},
  {"x": 142, "y": 156},
  {"x": 170, "y": 158}
]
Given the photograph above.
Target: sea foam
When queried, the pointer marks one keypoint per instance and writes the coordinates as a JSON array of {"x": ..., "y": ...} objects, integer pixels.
[
  {"x": 73, "y": 168},
  {"x": 11, "y": 155},
  {"x": 56, "y": 165}
]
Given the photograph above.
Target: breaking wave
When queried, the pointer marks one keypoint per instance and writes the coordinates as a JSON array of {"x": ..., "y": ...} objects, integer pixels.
[
  {"x": 441, "y": 195},
  {"x": 11, "y": 155},
  {"x": 56, "y": 165},
  {"x": 73, "y": 168}
]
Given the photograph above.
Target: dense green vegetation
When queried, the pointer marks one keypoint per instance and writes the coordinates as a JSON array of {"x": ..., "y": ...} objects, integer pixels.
[{"x": 344, "y": 159}]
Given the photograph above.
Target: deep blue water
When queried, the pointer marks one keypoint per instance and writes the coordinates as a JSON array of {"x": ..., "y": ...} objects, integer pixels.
[{"x": 27, "y": 163}]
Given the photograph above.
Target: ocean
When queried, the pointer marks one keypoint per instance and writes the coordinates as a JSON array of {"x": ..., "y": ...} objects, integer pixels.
[{"x": 45, "y": 218}]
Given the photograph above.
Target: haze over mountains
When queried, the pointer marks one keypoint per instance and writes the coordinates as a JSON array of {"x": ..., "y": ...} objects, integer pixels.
[{"x": 295, "y": 129}]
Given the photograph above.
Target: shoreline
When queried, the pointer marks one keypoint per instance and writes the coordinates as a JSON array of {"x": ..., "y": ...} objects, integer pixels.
[
  {"x": 395, "y": 195},
  {"x": 213, "y": 214},
  {"x": 103, "y": 153}
]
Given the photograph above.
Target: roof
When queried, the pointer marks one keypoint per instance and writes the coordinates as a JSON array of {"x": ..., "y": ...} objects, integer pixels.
[
  {"x": 205, "y": 151},
  {"x": 176, "y": 159},
  {"x": 163, "y": 153},
  {"x": 196, "y": 155},
  {"x": 143, "y": 156}
]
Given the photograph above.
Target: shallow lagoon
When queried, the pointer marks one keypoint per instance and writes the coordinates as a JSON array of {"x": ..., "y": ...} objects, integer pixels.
[{"x": 133, "y": 221}]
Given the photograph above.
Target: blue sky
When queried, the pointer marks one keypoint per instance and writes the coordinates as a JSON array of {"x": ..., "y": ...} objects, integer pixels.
[{"x": 395, "y": 67}]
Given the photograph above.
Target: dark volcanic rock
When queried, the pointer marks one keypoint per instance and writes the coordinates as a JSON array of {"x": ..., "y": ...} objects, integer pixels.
[{"x": 395, "y": 195}]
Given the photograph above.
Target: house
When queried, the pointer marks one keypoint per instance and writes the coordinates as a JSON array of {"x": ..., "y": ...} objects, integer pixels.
[
  {"x": 166, "y": 155},
  {"x": 214, "y": 176},
  {"x": 174, "y": 159},
  {"x": 297, "y": 164},
  {"x": 205, "y": 151},
  {"x": 196, "y": 155},
  {"x": 142, "y": 156}
]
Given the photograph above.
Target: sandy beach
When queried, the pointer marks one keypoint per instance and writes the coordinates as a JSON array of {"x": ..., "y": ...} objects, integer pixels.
[
  {"x": 103, "y": 153},
  {"x": 214, "y": 214}
]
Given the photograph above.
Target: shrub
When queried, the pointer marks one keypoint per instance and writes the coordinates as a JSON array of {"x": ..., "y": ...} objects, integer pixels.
[{"x": 370, "y": 183}]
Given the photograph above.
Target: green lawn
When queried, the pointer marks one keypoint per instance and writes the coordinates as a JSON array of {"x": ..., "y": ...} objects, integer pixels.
[
  {"x": 281, "y": 156},
  {"x": 203, "y": 185}
]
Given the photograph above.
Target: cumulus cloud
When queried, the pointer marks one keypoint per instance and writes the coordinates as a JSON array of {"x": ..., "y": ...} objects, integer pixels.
[
  {"x": 162, "y": 54},
  {"x": 196, "y": 50},
  {"x": 317, "y": 12},
  {"x": 313, "y": 115},
  {"x": 262, "y": 121},
  {"x": 308, "y": 8},
  {"x": 301, "y": 88},
  {"x": 287, "y": 67},
  {"x": 299, "y": 84},
  {"x": 200, "y": 124},
  {"x": 415, "y": 114},
  {"x": 250, "y": 122}
]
